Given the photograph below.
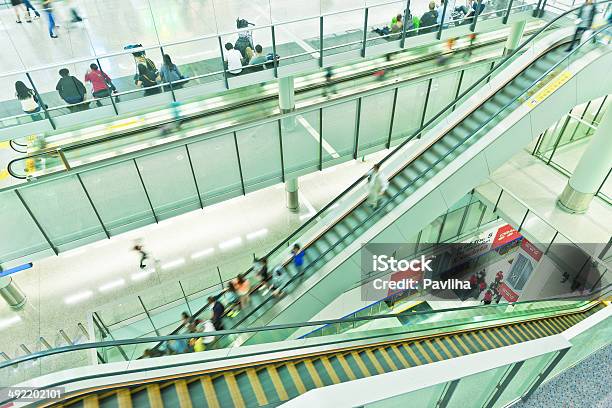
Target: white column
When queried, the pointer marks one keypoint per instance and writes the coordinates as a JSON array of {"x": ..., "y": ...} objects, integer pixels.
[
  {"x": 514, "y": 37},
  {"x": 286, "y": 94},
  {"x": 11, "y": 293},
  {"x": 293, "y": 201},
  {"x": 592, "y": 168}
]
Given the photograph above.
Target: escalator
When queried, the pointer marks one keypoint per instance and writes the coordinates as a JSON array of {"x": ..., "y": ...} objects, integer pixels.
[
  {"x": 358, "y": 217},
  {"x": 270, "y": 382},
  {"x": 237, "y": 107}
]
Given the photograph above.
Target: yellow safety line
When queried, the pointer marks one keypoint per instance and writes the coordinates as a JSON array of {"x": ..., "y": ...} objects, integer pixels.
[
  {"x": 550, "y": 326},
  {"x": 4, "y": 174},
  {"x": 278, "y": 384},
  {"x": 375, "y": 361},
  {"x": 512, "y": 336},
  {"x": 387, "y": 358},
  {"x": 558, "y": 327},
  {"x": 413, "y": 355},
  {"x": 434, "y": 350},
  {"x": 295, "y": 376},
  {"x": 400, "y": 356},
  {"x": 230, "y": 380},
  {"x": 478, "y": 340},
  {"x": 91, "y": 401},
  {"x": 346, "y": 367},
  {"x": 424, "y": 352},
  {"x": 330, "y": 370},
  {"x": 4, "y": 145},
  {"x": 256, "y": 385},
  {"x": 574, "y": 319},
  {"x": 544, "y": 329},
  {"x": 155, "y": 400},
  {"x": 488, "y": 334},
  {"x": 454, "y": 347},
  {"x": 464, "y": 347},
  {"x": 313, "y": 373},
  {"x": 183, "y": 394},
  {"x": 523, "y": 332},
  {"x": 124, "y": 398},
  {"x": 565, "y": 323},
  {"x": 209, "y": 392},
  {"x": 445, "y": 349},
  {"x": 361, "y": 364},
  {"x": 536, "y": 328},
  {"x": 534, "y": 334}
]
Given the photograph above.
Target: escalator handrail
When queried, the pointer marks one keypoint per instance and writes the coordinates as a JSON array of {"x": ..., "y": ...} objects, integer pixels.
[
  {"x": 381, "y": 207},
  {"x": 140, "y": 340}
]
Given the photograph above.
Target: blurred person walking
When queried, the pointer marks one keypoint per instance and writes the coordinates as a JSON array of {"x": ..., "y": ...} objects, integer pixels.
[
  {"x": 377, "y": 185},
  {"x": 48, "y": 9},
  {"x": 30, "y": 7},
  {"x": 586, "y": 15}
]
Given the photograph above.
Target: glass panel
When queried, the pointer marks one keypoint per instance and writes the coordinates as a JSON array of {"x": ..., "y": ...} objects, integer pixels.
[
  {"x": 409, "y": 110},
  {"x": 62, "y": 209},
  {"x": 474, "y": 390},
  {"x": 196, "y": 61},
  {"x": 118, "y": 195},
  {"x": 451, "y": 225},
  {"x": 374, "y": 120},
  {"x": 300, "y": 135},
  {"x": 441, "y": 93},
  {"x": 524, "y": 378},
  {"x": 339, "y": 132},
  {"x": 215, "y": 164},
  {"x": 168, "y": 179},
  {"x": 260, "y": 156},
  {"x": 297, "y": 42},
  {"x": 473, "y": 74},
  {"x": 25, "y": 237},
  {"x": 429, "y": 234},
  {"x": 343, "y": 32},
  {"x": 425, "y": 397},
  {"x": 472, "y": 218}
]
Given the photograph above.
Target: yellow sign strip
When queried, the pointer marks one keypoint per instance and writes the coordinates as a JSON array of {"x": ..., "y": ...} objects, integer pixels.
[{"x": 548, "y": 89}]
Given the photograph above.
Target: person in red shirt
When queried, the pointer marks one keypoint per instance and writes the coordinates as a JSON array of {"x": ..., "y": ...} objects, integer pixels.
[
  {"x": 100, "y": 81},
  {"x": 487, "y": 297},
  {"x": 482, "y": 286},
  {"x": 499, "y": 276}
]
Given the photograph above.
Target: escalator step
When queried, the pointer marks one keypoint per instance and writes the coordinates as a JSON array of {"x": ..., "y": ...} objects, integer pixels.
[
  {"x": 256, "y": 386},
  {"x": 370, "y": 362},
  {"x": 154, "y": 396},
  {"x": 442, "y": 349},
  {"x": 379, "y": 361},
  {"x": 287, "y": 381},
  {"x": 386, "y": 359},
  {"x": 169, "y": 395},
  {"x": 196, "y": 393},
  {"x": 272, "y": 386},
  {"x": 315, "y": 373},
  {"x": 431, "y": 348},
  {"x": 342, "y": 368},
  {"x": 357, "y": 365},
  {"x": 222, "y": 391},
  {"x": 410, "y": 355},
  {"x": 475, "y": 341},
  {"x": 323, "y": 371},
  {"x": 109, "y": 402},
  {"x": 141, "y": 399},
  {"x": 398, "y": 357},
  {"x": 463, "y": 344},
  {"x": 482, "y": 340},
  {"x": 453, "y": 349},
  {"x": 305, "y": 376},
  {"x": 493, "y": 339}
]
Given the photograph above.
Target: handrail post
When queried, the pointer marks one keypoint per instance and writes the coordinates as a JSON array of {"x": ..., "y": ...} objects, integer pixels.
[
  {"x": 321, "y": 42},
  {"x": 223, "y": 63},
  {"x": 507, "y": 15},
  {"x": 541, "y": 11},
  {"x": 274, "y": 59},
  {"x": 365, "y": 32},
  {"x": 161, "y": 49},
  {"x": 110, "y": 91},
  {"x": 406, "y": 15},
  {"x": 41, "y": 103},
  {"x": 476, "y": 14},
  {"x": 439, "y": 35}
]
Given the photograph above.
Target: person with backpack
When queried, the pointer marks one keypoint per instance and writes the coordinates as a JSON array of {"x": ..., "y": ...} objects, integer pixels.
[
  {"x": 71, "y": 90},
  {"x": 145, "y": 78},
  {"x": 101, "y": 83},
  {"x": 245, "y": 37},
  {"x": 429, "y": 20},
  {"x": 169, "y": 72},
  {"x": 28, "y": 99}
]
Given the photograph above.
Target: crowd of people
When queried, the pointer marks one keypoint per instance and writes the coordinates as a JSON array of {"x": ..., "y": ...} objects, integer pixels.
[
  {"x": 229, "y": 303},
  {"x": 489, "y": 292},
  {"x": 26, "y": 8}
]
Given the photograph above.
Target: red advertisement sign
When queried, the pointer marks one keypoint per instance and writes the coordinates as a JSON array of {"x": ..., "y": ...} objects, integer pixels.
[
  {"x": 531, "y": 250},
  {"x": 505, "y": 235},
  {"x": 405, "y": 275},
  {"x": 507, "y": 293}
]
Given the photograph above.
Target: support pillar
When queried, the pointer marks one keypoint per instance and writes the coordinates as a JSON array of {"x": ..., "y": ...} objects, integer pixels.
[
  {"x": 11, "y": 293},
  {"x": 591, "y": 170},
  {"x": 286, "y": 101},
  {"x": 293, "y": 201},
  {"x": 514, "y": 37}
]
